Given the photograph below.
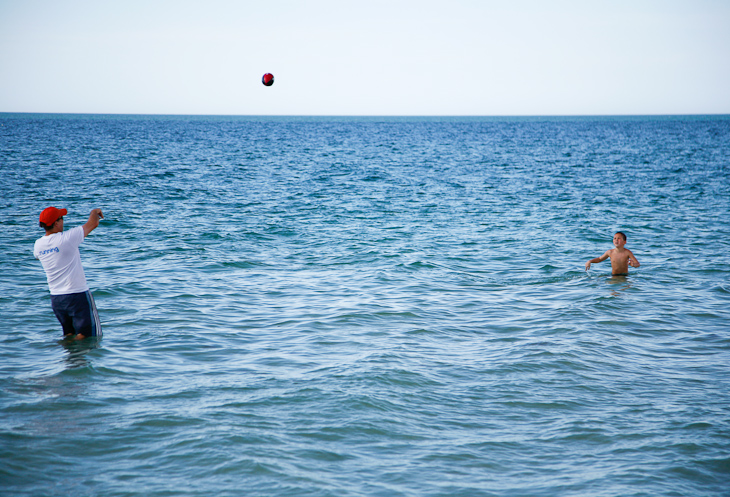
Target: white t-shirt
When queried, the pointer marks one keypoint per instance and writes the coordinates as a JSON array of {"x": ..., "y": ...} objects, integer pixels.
[{"x": 60, "y": 257}]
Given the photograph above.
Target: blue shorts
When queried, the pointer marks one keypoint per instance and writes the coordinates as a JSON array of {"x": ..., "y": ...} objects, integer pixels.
[{"x": 77, "y": 314}]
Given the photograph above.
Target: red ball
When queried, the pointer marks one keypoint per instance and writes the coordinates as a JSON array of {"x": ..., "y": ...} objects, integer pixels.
[{"x": 268, "y": 79}]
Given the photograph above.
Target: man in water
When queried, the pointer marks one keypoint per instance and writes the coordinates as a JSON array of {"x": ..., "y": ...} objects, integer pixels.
[
  {"x": 58, "y": 252},
  {"x": 621, "y": 257}
]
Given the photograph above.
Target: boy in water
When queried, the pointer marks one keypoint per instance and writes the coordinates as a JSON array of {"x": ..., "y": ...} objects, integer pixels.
[{"x": 621, "y": 257}]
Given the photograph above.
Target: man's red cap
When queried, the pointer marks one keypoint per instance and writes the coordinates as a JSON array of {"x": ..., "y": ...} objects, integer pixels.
[{"x": 51, "y": 215}]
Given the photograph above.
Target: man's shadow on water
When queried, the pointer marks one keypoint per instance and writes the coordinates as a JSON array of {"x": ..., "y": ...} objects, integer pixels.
[{"x": 78, "y": 349}]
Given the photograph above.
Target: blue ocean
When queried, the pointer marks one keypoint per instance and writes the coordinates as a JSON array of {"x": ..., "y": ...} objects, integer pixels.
[{"x": 364, "y": 306}]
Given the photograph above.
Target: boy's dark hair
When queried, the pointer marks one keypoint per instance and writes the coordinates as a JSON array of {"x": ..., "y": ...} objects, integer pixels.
[{"x": 623, "y": 235}]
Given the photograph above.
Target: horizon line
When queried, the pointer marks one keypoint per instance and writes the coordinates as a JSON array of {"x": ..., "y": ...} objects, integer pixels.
[{"x": 153, "y": 114}]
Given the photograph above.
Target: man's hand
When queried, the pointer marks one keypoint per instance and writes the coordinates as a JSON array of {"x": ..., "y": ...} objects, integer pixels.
[{"x": 93, "y": 221}]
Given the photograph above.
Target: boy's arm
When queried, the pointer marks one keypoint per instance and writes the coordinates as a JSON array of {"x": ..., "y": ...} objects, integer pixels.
[
  {"x": 633, "y": 260},
  {"x": 598, "y": 259},
  {"x": 93, "y": 221}
]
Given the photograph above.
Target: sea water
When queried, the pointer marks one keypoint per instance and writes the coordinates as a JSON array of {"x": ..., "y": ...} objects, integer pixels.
[{"x": 330, "y": 306}]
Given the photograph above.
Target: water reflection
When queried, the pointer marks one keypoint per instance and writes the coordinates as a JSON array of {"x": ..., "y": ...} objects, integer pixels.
[
  {"x": 622, "y": 282},
  {"x": 78, "y": 349}
]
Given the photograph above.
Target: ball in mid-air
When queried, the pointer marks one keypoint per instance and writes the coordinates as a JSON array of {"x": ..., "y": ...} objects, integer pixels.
[{"x": 268, "y": 79}]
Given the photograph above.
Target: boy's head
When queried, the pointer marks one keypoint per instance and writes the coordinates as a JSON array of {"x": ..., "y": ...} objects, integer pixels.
[{"x": 619, "y": 239}]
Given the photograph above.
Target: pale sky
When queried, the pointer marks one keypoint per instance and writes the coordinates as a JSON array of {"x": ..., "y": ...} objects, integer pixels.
[{"x": 342, "y": 57}]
